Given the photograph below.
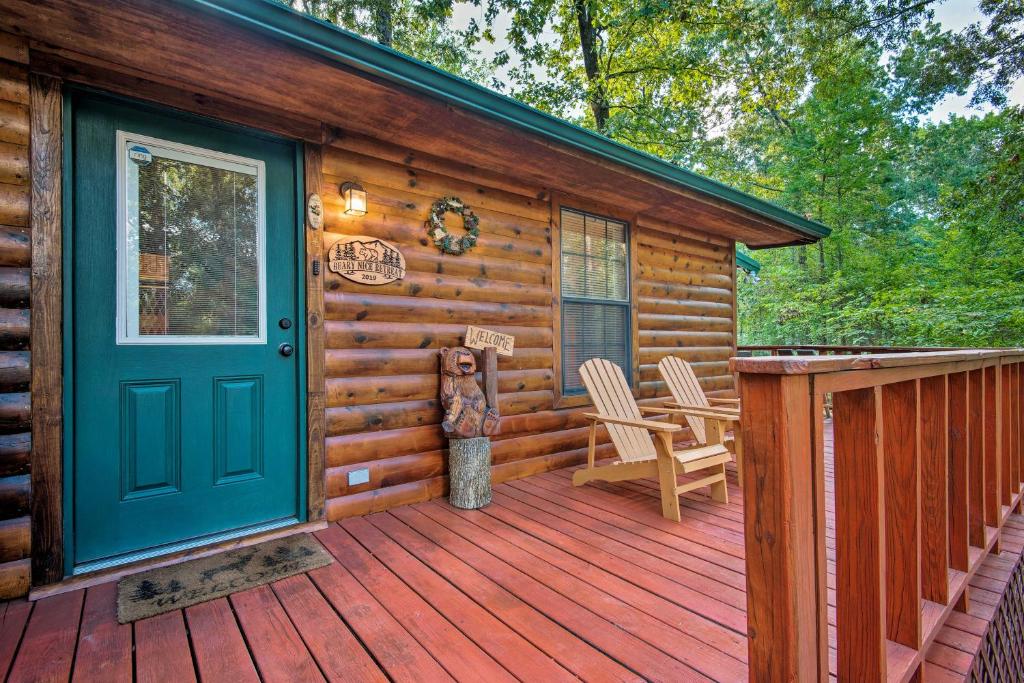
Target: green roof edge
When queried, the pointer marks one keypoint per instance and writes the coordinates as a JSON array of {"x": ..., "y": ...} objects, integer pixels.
[
  {"x": 348, "y": 48},
  {"x": 746, "y": 263}
]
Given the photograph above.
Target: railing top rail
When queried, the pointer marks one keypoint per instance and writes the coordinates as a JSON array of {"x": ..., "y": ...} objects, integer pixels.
[
  {"x": 811, "y": 365},
  {"x": 853, "y": 347}
]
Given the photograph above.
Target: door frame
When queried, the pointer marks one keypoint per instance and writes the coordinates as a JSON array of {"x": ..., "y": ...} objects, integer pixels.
[{"x": 55, "y": 493}]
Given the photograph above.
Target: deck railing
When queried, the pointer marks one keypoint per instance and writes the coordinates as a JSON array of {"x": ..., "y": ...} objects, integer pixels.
[
  {"x": 831, "y": 349},
  {"x": 927, "y": 467}
]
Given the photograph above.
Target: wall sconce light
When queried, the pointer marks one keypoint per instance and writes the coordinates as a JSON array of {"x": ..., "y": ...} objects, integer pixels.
[{"x": 355, "y": 199}]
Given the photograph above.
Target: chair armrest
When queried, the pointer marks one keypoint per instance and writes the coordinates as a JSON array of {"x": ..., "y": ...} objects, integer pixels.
[
  {"x": 722, "y": 414},
  {"x": 649, "y": 425},
  {"x": 732, "y": 401}
]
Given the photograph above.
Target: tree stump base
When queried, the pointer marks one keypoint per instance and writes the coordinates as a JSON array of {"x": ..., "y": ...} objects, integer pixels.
[{"x": 469, "y": 472}]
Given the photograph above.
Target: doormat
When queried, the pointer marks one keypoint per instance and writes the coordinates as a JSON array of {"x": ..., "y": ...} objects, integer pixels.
[{"x": 169, "y": 588}]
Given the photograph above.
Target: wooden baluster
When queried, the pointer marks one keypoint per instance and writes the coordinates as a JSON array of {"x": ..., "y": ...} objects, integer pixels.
[
  {"x": 993, "y": 494},
  {"x": 1009, "y": 478},
  {"x": 1015, "y": 426},
  {"x": 902, "y": 489},
  {"x": 934, "y": 428},
  {"x": 959, "y": 477},
  {"x": 976, "y": 455},
  {"x": 1019, "y": 413},
  {"x": 860, "y": 542},
  {"x": 784, "y": 532}
]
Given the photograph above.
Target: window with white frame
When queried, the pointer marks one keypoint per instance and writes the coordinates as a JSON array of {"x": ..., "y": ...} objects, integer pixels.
[{"x": 595, "y": 294}]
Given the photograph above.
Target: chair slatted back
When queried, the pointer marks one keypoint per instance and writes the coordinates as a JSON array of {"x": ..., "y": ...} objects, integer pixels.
[
  {"x": 685, "y": 389},
  {"x": 611, "y": 395}
]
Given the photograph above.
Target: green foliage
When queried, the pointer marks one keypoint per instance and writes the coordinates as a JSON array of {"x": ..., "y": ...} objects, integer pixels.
[{"x": 814, "y": 104}]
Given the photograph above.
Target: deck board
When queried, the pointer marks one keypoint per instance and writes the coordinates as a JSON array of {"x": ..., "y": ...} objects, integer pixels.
[
  {"x": 220, "y": 650},
  {"x": 550, "y": 583},
  {"x": 48, "y": 645},
  {"x": 104, "y": 646}
]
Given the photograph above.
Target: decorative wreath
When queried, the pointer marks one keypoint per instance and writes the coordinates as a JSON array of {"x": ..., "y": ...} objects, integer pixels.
[{"x": 439, "y": 233}]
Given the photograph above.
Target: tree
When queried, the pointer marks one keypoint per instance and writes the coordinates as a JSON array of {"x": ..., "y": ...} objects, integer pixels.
[{"x": 419, "y": 28}]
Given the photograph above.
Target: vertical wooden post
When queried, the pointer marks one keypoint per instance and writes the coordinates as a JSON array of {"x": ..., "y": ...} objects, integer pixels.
[
  {"x": 784, "y": 535},
  {"x": 316, "y": 429},
  {"x": 902, "y": 504},
  {"x": 47, "y": 157},
  {"x": 1018, "y": 420},
  {"x": 860, "y": 536},
  {"x": 976, "y": 456},
  {"x": 1017, "y": 391},
  {"x": 489, "y": 375},
  {"x": 993, "y": 492},
  {"x": 1009, "y": 479},
  {"x": 959, "y": 477},
  {"x": 935, "y": 489}
]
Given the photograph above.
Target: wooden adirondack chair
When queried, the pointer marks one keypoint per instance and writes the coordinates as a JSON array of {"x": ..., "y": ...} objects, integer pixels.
[
  {"x": 708, "y": 418},
  {"x": 640, "y": 456}
]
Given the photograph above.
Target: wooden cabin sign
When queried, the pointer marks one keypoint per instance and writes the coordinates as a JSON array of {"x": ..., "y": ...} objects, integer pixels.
[
  {"x": 366, "y": 260},
  {"x": 479, "y": 338}
]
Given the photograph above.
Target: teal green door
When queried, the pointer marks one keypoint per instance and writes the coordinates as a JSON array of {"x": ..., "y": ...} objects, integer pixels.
[{"x": 184, "y": 290}]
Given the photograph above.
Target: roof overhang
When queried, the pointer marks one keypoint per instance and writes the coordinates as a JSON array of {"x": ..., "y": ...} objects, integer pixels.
[
  {"x": 337, "y": 44},
  {"x": 259, "y": 63}
]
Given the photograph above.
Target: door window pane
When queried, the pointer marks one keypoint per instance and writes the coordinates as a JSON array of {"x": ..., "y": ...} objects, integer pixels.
[{"x": 190, "y": 245}]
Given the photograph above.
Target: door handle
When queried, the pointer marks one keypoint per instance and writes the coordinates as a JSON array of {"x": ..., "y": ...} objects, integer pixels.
[{"x": 286, "y": 349}]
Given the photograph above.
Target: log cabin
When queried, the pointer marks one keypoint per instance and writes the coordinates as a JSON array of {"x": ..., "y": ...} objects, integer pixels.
[
  {"x": 192, "y": 353},
  {"x": 295, "y": 107}
]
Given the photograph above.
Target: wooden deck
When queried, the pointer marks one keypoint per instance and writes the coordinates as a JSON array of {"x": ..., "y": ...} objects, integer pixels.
[{"x": 549, "y": 583}]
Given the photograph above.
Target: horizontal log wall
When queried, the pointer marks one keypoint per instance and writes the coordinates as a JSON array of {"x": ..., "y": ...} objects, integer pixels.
[
  {"x": 381, "y": 342},
  {"x": 15, "y": 252}
]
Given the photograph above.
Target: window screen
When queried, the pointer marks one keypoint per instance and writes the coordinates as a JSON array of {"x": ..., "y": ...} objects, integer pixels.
[
  {"x": 192, "y": 244},
  {"x": 595, "y": 294}
]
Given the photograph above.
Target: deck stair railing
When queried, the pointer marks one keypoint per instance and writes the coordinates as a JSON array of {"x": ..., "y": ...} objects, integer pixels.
[{"x": 927, "y": 466}]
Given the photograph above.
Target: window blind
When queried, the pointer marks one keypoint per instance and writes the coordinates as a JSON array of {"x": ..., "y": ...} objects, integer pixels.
[{"x": 595, "y": 294}]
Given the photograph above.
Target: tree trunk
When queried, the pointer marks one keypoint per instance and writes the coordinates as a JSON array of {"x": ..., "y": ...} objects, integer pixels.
[
  {"x": 382, "y": 12},
  {"x": 588, "y": 46},
  {"x": 469, "y": 472}
]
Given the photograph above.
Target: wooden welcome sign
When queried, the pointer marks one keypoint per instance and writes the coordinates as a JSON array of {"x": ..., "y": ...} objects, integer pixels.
[
  {"x": 366, "y": 260},
  {"x": 479, "y": 338}
]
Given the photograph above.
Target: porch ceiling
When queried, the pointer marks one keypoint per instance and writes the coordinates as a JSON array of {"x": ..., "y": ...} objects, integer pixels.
[{"x": 299, "y": 83}]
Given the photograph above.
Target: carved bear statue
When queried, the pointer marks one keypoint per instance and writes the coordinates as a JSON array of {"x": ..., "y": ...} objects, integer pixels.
[{"x": 467, "y": 414}]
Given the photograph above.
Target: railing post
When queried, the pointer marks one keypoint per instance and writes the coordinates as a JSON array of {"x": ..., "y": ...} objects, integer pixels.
[
  {"x": 1011, "y": 477},
  {"x": 976, "y": 456},
  {"x": 902, "y": 503},
  {"x": 783, "y": 494},
  {"x": 993, "y": 465},
  {"x": 959, "y": 477},
  {"x": 860, "y": 535},
  {"x": 935, "y": 487},
  {"x": 1018, "y": 420}
]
